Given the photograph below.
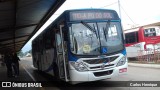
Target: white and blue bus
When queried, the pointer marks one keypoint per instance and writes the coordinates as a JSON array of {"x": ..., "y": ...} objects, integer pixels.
[{"x": 82, "y": 45}]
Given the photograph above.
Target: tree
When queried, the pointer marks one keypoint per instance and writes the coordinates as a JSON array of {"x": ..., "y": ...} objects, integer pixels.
[
  {"x": 30, "y": 51},
  {"x": 20, "y": 53}
]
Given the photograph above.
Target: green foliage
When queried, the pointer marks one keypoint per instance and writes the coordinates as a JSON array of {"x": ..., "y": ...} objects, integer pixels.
[
  {"x": 30, "y": 52},
  {"x": 20, "y": 53}
]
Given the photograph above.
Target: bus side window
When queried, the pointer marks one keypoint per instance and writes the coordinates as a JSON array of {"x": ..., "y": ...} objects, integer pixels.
[
  {"x": 52, "y": 39},
  {"x": 65, "y": 33},
  {"x": 131, "y": 37},
  {"x": 41, "y": 43},
  {"x": 47, "y": 40}
]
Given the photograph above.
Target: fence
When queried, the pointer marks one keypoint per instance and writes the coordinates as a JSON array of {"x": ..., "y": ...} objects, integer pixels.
[{"x": 149, "y": 56}]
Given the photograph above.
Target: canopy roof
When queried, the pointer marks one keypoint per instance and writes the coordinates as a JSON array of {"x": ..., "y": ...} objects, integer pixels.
[{"x": 21, "y": 19}]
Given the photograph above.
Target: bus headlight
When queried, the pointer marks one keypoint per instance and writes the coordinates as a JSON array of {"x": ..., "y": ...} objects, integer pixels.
[
  {"x": 79, "y": 66},
  {"x": 122, "y": 61}
]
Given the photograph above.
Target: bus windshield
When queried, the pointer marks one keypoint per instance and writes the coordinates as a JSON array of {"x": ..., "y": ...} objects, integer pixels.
[{"x": 95, "y": 38}]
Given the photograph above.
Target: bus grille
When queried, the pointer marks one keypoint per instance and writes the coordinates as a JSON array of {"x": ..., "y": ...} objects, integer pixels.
[
  {"x": 97, "y": 74},
  {"x": 100, "y": 61},
  {"x": 99, "y": 67}
]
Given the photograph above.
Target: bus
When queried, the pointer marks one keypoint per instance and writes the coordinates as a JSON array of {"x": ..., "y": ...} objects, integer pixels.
[
  {"x": 82, "y": 45},
  {"x": 142, "y": 40}
]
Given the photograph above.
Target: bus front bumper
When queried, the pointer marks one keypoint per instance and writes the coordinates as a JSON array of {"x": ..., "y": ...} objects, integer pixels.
[{"x": 76, "y": 76}]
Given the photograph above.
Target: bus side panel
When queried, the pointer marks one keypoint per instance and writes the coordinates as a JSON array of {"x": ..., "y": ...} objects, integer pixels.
[
  {"x": 49, "y": 55},
  {"x": 34, "y": 57},
  {"x": 132, "y": 51},
  {"x": 48, "y": 51}
]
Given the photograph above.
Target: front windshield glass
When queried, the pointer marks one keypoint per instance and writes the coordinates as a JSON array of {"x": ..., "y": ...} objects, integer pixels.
[
  {"x": 110, "y": 37},
  {"x": 95, "y": 38}
]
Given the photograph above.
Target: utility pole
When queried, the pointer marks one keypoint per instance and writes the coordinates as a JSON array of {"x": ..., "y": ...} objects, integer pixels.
[{"x": 119, "y": 7}]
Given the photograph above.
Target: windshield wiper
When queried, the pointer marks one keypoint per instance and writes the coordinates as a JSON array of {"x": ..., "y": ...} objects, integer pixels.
[
  {"x": 90, "y": 27},
  {"x": 105, "y": 30}
]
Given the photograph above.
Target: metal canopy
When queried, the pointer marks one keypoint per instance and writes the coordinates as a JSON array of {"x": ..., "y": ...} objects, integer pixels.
[{"x": 21, "y": 19}]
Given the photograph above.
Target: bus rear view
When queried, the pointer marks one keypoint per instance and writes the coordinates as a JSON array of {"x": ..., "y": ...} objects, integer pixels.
[{"x": 91, "y": 43}]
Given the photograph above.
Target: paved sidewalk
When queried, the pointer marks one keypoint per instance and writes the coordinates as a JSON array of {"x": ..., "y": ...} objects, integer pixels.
[
  {"x": 145, "y": 65},
  {"x": 22, "y": 77}
]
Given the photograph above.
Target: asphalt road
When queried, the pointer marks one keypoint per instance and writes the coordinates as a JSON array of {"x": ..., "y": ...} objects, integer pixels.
[{"x": 134, "y": 74}]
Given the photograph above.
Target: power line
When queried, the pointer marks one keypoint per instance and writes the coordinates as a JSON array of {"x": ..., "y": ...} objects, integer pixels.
[
  {"x": 109, "y": 4},
  {"x": 119, "y": 8},
  {"x": 127, "y": 15}
]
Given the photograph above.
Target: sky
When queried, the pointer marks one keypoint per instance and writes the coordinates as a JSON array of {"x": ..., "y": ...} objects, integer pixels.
[{"x": 132, "y": 12}]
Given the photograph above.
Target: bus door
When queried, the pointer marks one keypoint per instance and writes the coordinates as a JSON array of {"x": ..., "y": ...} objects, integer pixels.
[{"x": 61, "y": 54}]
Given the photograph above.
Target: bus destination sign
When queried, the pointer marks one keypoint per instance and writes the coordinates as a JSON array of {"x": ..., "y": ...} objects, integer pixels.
[{"x": 90, "y": 15}]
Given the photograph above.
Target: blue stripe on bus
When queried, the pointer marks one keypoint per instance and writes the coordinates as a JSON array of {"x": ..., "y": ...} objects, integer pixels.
[
  {"x": 71, "y": 57},
  {"x": 124, "y": 52}
]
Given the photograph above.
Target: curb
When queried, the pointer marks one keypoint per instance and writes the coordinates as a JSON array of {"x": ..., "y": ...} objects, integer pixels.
[{"x": 144, "y": 65}]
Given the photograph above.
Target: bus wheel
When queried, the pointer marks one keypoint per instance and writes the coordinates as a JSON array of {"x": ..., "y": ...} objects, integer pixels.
[{"x": 56, "y": 72}]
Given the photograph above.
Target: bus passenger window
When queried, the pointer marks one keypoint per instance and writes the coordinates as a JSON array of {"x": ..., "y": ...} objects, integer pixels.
[{"x": 131, "y": 37}]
